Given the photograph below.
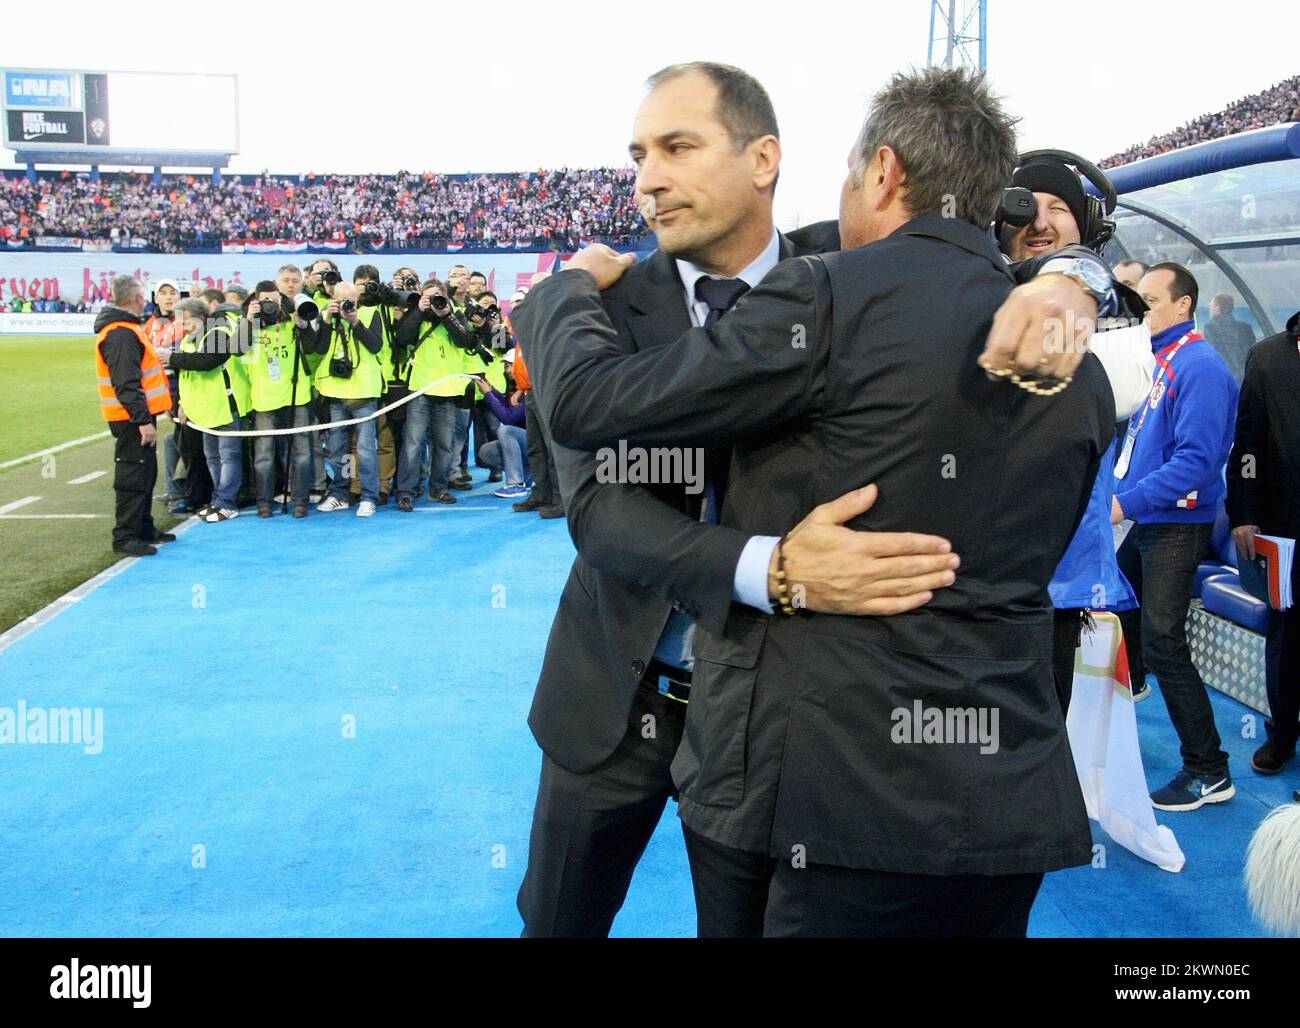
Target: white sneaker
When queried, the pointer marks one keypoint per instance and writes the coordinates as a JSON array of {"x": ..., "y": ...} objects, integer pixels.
[
  {"x": 220, "y": 515},
  {"x": 332, "y": 503},
  {"x": 366, "y": 508}
]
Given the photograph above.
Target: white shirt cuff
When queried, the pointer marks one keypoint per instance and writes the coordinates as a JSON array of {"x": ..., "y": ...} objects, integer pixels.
[{"x": 750, "y": 587}]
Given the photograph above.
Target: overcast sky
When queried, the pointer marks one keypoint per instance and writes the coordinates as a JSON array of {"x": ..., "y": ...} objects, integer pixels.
[{"x": 368, "y": 89}]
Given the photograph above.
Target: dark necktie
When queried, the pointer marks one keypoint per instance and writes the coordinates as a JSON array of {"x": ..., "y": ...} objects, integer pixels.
[{"x": 720, "y": 294}]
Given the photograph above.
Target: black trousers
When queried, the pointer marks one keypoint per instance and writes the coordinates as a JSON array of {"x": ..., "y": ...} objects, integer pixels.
[
  {"x": 135, "y": 473},
  {"x": 1282, "y": 672},
  {"x": 589, "y": 830},
  {"x": 1160, "y": 562},
  {"x": 541, "y": 461},
  {"x": 1067, "y": 625},
  {"x": 197, "y": 485},
  {"x": 820, "y": 901},
  {"x": 731, "y": 888}
]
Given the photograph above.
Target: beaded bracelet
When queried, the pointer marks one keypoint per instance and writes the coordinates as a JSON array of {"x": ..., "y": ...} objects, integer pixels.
[{"x": 782, "y": 587}]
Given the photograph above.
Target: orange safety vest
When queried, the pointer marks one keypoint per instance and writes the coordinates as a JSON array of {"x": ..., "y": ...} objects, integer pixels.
[{"x": 153, "y": 381}]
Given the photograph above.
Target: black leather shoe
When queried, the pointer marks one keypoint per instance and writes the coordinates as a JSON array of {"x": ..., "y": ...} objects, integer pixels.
[
  {"x": 1272, "y": 757},
  {"x": 495, "y": 476},
  {"x": 461, "y": 483},
  {"x": 263, "y": 510},
  {"x": 136, "y": 548},
  {"x": 444, "y": 497},
  {"x": 551, "y": 511},
  {"x": 383, "y": 499},
  {"x": 300, "y": 510},
  {"x": 405, "y": 504},
  {"x": 161, "y": 537},
  {"x": 527, "y": 506}
]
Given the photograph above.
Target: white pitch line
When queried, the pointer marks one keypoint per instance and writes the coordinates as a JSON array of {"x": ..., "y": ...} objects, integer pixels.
[
  {"x": 53, "y": 449},
  {"x": 48, "y": 517},
  {"x": 87, "y": 478},
  {"x": 18, "y": 503}
]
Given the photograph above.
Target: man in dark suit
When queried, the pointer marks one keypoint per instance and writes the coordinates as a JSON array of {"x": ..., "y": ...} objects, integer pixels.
[
  {"x": 652, "y": 561},
  {"x": 1264, "y": 496},
  {"x": 903, "y": 775}
]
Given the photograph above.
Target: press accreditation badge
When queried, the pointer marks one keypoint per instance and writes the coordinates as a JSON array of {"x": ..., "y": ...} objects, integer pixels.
[
  {"x": 1126, "y": 455},
  {"x": 273, "y": 366}
]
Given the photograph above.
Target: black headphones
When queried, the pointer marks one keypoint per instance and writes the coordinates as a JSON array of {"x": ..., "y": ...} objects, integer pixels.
[{"x": 1019, "y": 208}]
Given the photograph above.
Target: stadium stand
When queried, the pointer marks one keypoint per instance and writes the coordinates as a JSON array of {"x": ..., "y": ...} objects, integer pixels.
[
  {"x": 556, "y": 210},
  {"x": 1274, "y": 106}
]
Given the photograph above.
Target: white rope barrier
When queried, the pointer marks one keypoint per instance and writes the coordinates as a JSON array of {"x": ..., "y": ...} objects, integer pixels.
[{"x": 324, "y": 426}]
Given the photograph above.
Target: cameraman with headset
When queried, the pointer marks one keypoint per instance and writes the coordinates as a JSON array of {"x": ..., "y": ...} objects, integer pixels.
[
  {"x": 351, "y": 378},
  {"x": 1046, "y": 211}
]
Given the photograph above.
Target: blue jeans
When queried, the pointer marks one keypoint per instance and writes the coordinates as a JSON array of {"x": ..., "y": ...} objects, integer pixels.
[
  {"x": 508, "y": 452},
  {"x": 447, "y": 426},
  {"x": 412, "y": 465},
  {"x": 266, "y": 449},
  {"x": 367, "y": 448},
  {"x": 225, "y": 456}
]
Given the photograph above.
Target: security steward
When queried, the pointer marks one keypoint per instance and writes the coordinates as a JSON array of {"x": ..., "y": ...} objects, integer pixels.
[{"x": 133, "y": 391}]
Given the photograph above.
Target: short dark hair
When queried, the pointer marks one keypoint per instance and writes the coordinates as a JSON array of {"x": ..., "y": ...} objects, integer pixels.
[
  {"x": 1184, "y": 283},
  {"x": 265, "y": 286},
  {"x": 365, "y": 271},
  {"x": 1133, "y": 260},
  {"x": 1224, "y": 302},
  {"x": 238, "y": 290},
  {"x": 487, "y": 292},
  {"x": 478, "y": 274},
  {"x": 213, "y": 294},
  {"x": 956, "y": 144},
  {"x": 323, "y": 260},
  {"x": 433, "y": 283},
  {"x": 744, "y": 108}
]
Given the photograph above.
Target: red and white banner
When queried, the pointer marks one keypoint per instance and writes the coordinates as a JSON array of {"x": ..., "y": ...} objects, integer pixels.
[{"x": 1103, "y": 735}]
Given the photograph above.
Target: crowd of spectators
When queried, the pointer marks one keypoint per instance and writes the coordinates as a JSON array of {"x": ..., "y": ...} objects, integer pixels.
[
  {"x": 555, "y": 210},
  {"x": 1273, "y": 106}
]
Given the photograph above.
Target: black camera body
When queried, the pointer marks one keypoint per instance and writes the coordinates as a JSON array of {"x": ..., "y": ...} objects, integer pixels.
[
  {"x": 439, "y": 305},
  {"x": 347, "y": 306},
  {"x": 341, "y": 367},
  {"x": 264, "y": 312},
  {"x": 375, "y": 293},
  {"x": 331, "y": 278}
]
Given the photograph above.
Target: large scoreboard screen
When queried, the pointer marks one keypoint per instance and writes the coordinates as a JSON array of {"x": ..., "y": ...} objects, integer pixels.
[{"x": 99, "y": 112}]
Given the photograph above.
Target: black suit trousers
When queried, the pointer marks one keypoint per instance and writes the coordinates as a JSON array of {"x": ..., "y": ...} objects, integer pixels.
[
  {"x": 820, "y": 901},
  {"x": 589, "y": 830}
]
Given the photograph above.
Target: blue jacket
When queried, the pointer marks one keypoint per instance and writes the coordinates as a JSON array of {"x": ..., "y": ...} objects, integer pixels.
[
  {"x": 1175, "y": 473},
  {"x": 1089, "y": 575}
]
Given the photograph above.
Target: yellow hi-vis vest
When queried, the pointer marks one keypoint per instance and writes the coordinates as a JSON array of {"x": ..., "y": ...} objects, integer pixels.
[{"x": 367, "y": 378}]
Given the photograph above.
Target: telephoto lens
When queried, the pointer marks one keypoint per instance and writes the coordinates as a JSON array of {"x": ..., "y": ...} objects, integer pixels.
[
  {"x": 305, "y": 307},
  {"x": 331, "y": 278}
]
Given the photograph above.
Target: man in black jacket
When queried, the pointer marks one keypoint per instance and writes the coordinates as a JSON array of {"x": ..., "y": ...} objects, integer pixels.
[
  {"x": 1264, "y": 496},
  {"x": 125, "y": 352},
  {"x": 809, "y": 739}
]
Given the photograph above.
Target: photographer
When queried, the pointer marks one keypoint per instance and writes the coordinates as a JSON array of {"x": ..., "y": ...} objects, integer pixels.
[
  {"x": 436, "y": 338},
  {"x": 212, "y": 397},
  {"x": 484, "y": 317},
  {"x": 281, "y": 383},
  {"x": 404, "y": 280},
  {"x": 458, "y": 285},
  {"x": 352, "y": 380},
  {"x": 509, "y": 451},
  {"x": 377, "y": 303}
]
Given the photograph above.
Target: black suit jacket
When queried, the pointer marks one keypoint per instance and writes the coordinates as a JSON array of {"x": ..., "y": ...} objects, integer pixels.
[
  {"x": 640, "y": 549},
  {"x": 839, "y": 371}
]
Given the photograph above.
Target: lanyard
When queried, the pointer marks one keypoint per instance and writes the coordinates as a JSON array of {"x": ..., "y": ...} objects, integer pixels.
[{"x": 1165, "y": 360}]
